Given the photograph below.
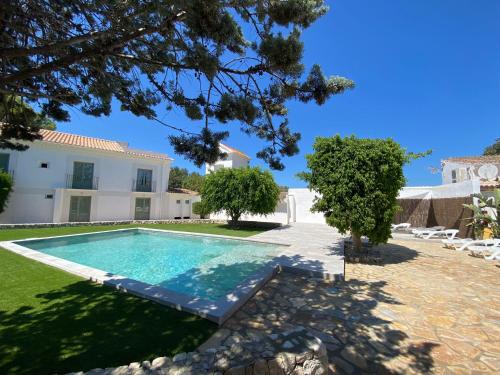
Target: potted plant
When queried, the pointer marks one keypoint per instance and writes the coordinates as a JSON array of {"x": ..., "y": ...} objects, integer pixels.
[{"x": 485, "y": 220}]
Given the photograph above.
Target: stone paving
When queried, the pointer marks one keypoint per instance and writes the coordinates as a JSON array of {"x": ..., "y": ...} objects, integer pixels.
[
  {"x": 315, "y": 249},
  {"x": 425, "y": 310}
]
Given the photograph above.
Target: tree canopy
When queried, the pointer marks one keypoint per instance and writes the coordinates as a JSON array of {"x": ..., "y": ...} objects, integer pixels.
[
  {"x": 493, "y": 149},
  {"x": 240, "y": 191},
  {"x": 181, "y": 178},
  {"x": 6, "y": 184},
  {"x": 17, "y": 111},
  {"x": 357, "y": 181},
  {"x": 214, "y": 60}
]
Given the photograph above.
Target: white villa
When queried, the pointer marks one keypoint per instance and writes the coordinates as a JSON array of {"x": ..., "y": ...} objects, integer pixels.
[
  {"x": 234, "y": 159},
  {"x": 485, "y": 169},
  {"x": 65, "y": 177}
]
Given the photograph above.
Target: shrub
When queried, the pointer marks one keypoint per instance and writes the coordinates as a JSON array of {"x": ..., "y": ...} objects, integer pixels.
[
  {"x": 240, "y": 191},
  {"x": 5, "y": 189},
  {"x": 200, "y": 208}
]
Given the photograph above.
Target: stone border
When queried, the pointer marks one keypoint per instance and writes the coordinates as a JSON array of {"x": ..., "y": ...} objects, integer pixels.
[
  {"x": 242, "y": 224},
  {"x": 111, "y": 222},
  {"x": 217, "y": 311},
  {"x": 292, "y": 352}
]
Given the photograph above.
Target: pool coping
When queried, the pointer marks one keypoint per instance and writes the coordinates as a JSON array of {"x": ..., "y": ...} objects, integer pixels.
[{"x": 217, "y": 311}]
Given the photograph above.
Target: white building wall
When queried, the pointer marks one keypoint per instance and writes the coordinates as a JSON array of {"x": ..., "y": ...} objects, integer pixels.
[
  {"x": 459, "y": 189},
  {"x": 179, "y": 205},
  {"x": 463, "y": 171},
  {"x": 30, "y": 201},
  {"x": 232, "y": 160},
  {"x": 304, "y": 199}
]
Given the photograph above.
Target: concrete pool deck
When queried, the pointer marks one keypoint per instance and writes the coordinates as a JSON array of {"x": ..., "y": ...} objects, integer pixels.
[
  {"x": 315, "y": 249},
  {"x": 313, "y": 252}
]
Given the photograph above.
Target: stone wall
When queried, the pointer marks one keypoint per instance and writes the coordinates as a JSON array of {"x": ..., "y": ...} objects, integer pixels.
[{"x": 293, "y": 352}]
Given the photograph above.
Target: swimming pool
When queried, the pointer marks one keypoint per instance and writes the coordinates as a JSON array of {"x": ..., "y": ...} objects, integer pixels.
[{"x": 206, "y": 267}]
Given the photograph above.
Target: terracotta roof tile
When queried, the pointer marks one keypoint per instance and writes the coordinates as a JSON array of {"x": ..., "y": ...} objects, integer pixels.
[
  {"x": 486, "y": 159},
  {"x": 236, "y": 151},
  {"x": 183, "y": 191},
  {"x": 79, "y": 140},
  {"x": 97, "y": 144}
]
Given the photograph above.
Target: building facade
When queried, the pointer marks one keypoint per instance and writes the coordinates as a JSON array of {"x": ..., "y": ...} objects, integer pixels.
[
  {"x": 70, "y": 178},
  {"x": 485, "y": 169},
  {"x": 234, "y": 159}
]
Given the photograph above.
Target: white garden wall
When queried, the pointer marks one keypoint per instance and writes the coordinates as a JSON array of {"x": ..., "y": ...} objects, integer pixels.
[{"x": 456, "y": 190}]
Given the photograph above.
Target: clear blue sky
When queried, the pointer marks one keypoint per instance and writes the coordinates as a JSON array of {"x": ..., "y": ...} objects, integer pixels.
[{"x": 427, "y": 74}]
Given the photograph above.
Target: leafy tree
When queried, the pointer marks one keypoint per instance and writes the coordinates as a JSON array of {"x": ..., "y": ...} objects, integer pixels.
[
  {"x": 181, "y": 178},
  {"x": 194, "y": 181},
  {"x": 5, "y": 189},
  {"x": 358, "y": 181},
  {"x": 200, "y": 208},
  {"x": 177, "y": 177},
  {"x": 215, "y": 60},
  {"x": 240, "y": 191},
  {"x": 15, "y": 110},
  {"x": 493, "y": 149}
]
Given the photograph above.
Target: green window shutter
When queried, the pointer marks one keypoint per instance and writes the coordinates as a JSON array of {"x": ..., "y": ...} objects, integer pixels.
[{"x": 83, "y": 175}]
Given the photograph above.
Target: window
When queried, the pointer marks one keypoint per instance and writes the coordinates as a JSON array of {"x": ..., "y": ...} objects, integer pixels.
[
  {"x": 178, "y": 201},
  {"x": 44, "y": 164},
  {"x": 453, "y": 176},
  {"x": 144, "y": 180},
  {"x": 49, "y": 196},
  {"x": 186, "y": 201},
  {"x": 83, "y": 175}
]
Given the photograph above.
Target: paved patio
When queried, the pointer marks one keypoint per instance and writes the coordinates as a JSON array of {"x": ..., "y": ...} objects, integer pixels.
[
  {"x": 425, "y": 310},
  {"x": 315, "y": 249}
]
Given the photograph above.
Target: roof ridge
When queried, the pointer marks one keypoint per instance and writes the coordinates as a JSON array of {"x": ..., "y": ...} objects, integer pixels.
[
  {"x": 77, "y": 140},
  {"x": 84, "y": 136},
  {"x": 232, "y": 149},
  {"x": 473, "y": 157}
]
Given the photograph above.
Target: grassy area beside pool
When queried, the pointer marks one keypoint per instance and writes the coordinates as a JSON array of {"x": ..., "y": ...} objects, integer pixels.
[
  {"x": 55, "y": 322},
  {"x": 222, "y": 229}
]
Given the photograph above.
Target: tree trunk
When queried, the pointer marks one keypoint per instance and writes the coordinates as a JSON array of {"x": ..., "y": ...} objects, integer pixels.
[
  {"x": 234, "y": 220},
  {"x": 356, "y": 241}
]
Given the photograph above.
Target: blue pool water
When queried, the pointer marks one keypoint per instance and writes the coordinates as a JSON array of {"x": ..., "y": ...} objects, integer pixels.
[{"x": 201, "y": 266}]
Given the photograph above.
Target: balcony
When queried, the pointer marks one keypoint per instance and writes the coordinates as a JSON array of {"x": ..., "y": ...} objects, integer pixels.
[
  {"x": 144, "y": 186},
  {"x": 79, "y": 182}
]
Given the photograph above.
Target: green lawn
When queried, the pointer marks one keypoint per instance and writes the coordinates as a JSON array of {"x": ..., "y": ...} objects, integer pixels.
[
  {"x": 52, "y": 321},
  {"x": 223, "y": 229}
]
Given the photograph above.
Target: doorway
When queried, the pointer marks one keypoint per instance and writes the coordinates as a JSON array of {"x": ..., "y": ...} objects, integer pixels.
[
  {"x": 79, "y": 209},
  {"x": 142, "y": 208}
]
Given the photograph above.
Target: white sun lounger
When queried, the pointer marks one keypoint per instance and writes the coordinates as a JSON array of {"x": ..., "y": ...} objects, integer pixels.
[
  {"x": 481, "y": 243},
  {"x": 400, "y": 226},
  {"x": 478, "y": 250},
  {"x": 495, "y": 254},
  {"x": 455, "y": 242},
  {"x": 449, "y": 233},
  {"x": 420, "y": 232}
]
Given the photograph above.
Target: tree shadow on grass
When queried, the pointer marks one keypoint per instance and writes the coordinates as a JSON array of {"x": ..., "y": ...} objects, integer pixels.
[{"x": 85, "y": 325}]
